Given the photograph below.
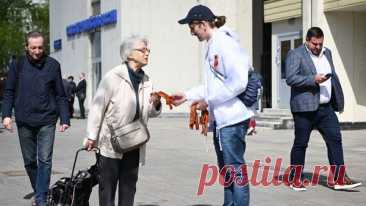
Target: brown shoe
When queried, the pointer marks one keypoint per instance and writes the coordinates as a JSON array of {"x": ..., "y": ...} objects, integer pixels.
[{"x": 347, "y": 184}]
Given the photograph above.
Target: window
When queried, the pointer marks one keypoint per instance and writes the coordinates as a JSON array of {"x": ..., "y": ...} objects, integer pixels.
[
  {"x": 298, "y": 42},
  {"x": 286, "y": 46},
  {"x": 96, "y": 49}
]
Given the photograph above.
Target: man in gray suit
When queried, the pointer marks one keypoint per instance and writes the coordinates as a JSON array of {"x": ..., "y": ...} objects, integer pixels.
[{"x": 316, "y": 94}]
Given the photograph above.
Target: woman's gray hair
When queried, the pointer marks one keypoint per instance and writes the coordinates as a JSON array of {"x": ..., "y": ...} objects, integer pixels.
[{"x": 128, "y": 45}]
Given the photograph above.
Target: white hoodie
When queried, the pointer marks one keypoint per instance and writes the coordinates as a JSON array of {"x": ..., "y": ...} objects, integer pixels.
[{"x": 226, "y": 68}]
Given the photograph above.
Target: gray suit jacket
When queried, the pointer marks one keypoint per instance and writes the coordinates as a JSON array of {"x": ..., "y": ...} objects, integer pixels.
[{"x": 305, "y": 93}]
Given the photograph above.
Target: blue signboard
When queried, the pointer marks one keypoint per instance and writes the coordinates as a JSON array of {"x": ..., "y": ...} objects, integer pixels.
[
  {"x": 92, "y": 23},
  {"x": 57, "y": 44}
]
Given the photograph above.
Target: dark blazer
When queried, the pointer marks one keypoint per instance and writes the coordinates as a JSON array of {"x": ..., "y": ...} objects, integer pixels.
[{"x": 305, "y": 93}]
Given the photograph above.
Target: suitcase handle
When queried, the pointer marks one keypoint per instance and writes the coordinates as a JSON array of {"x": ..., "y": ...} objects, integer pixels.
[{"x": 96, "y": 150}]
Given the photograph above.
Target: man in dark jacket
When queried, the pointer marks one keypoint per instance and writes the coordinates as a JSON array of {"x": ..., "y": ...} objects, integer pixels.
[
  {"x": 34, "y": 88},
  {"x": 72, "y": 88},
  {"x": 81, "y": 94}
]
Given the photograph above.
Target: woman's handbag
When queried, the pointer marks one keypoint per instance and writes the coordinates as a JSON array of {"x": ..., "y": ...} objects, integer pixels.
[{"x": 129, "y": 137}]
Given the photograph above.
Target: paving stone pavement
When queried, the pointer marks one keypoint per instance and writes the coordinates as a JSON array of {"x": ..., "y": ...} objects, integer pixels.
[{"x": 175, "y": 156}]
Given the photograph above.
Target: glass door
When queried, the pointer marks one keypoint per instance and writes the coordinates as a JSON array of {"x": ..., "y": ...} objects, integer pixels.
[{"x": 285, "y": 44}]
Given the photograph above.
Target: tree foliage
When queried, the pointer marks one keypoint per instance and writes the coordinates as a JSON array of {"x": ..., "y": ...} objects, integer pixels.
[{"x": 17, "y": 17}]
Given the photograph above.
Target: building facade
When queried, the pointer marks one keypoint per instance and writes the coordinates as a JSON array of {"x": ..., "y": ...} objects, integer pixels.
[
  {"x": 268, "y": 29},
  {"x": 82, "y": 42}
]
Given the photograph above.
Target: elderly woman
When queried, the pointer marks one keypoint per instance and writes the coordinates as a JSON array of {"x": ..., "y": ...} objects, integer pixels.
[{"x": 123, "y": 96}]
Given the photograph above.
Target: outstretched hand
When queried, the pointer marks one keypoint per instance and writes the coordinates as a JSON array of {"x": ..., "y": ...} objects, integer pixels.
[{"x": 178, "y": 99}]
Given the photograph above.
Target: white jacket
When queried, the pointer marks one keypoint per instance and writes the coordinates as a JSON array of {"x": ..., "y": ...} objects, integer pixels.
[
  {"x": 224, "y": 80},
  {"x": 115, "y": 101}
]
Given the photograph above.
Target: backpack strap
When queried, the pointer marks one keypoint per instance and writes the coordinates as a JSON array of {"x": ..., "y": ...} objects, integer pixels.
[{"x": 19, "y": 68}]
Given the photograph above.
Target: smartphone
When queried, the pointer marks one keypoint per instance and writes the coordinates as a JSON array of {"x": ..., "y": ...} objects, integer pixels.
[{"x": 328, "y": 75}]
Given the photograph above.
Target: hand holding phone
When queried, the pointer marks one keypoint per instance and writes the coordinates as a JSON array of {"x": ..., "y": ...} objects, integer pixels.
[
  {"x": 320, "y": 78},
  {"x": 328, "y": 75}
]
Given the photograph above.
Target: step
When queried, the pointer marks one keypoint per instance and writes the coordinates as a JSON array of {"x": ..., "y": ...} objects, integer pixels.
[
  {"x": 272, "y": 116},
  {"x": 269, "y": 124},
  {"x": 276, "y": 111},
  {"x": 286, "y": 124},
  {"x": 262, "y": 114},
  {"x": 174, "y": 115},
  {"x": 268, "y": 118},
  {"x": 276, "y": 123}
]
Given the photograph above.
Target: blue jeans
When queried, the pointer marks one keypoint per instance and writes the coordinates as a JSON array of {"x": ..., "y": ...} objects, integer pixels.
[
  {"x": 230, "y": 147},
  {"x": 36, "y": 144}
]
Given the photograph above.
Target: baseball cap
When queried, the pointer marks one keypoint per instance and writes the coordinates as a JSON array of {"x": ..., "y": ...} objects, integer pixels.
[{"x": 198, "y": 13}]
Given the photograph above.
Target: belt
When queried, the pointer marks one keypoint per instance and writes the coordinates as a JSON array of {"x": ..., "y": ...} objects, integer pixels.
[{"x": 324, "y": 105}]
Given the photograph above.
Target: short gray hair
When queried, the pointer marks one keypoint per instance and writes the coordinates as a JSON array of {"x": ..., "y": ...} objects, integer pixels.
[
  {"x": 32, "y": 34},
  {"x": 128, "y": 45}
]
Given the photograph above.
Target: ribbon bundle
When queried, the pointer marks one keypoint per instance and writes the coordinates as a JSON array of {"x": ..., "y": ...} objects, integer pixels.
[
  {"x": 195, "y": 121},
  {"x": 168, "y": 99}
]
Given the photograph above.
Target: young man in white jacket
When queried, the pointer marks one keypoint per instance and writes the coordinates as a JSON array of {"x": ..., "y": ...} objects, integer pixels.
[{"x": 226, "y": 68}]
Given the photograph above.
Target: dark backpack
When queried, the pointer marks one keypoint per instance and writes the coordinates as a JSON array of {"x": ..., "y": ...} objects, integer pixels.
[{"x": 250, "y": 95}]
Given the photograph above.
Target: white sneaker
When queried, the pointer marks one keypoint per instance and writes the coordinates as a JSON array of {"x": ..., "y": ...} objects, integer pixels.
[
  {"x": 298, "y": 188},
  {"x": 348, "y": 184}
]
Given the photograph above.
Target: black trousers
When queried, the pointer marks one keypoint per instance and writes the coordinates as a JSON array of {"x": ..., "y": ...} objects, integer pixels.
[
  {"x": 81, "y": 99},
  {"x": 71, "y": 106},
  {"x": 326, "y": 121},
  {"x": 122, "y": 171}
]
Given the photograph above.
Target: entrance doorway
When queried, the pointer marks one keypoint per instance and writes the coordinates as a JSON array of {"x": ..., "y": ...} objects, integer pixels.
[{"x": 286, "y": 42}]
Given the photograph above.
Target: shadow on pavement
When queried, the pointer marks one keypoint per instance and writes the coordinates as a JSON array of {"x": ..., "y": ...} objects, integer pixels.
[
  {"x": 2, "y": 129},
  {"x": 200, "y": 205},
  {"x": 147, "y": 205},
  {"x": 323, "y": 181},
  {"x": 28, "y": 196}
]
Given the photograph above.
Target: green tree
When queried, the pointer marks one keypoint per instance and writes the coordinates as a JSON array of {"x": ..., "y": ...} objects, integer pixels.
[
  {"x": 40, "y": 21},
  {"x": 17, "y": 17}
]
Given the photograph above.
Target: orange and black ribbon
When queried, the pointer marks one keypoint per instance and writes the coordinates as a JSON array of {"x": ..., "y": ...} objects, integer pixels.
[
  {"x": 195, "y": 121},
  {"x": 168, "y": 99}
]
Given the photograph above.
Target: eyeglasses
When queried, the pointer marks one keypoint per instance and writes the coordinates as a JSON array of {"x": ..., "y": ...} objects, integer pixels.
[{"x": 143, "y": 50}]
